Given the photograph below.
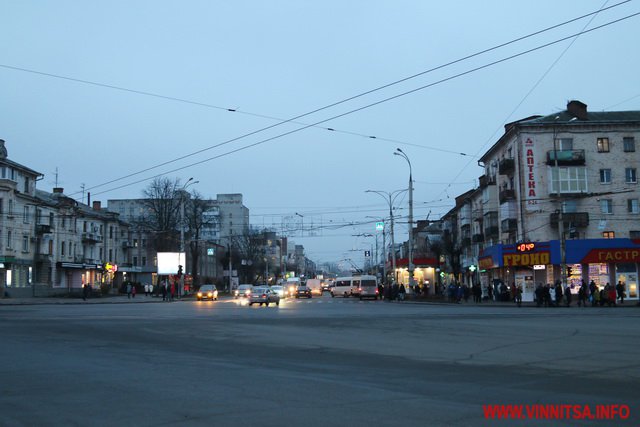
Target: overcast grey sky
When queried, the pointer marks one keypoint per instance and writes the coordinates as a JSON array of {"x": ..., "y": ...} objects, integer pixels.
[{"x": 78, "y": 81}]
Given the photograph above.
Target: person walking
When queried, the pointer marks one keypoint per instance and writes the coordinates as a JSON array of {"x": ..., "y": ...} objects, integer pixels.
[
  {"x": 567, "y": 295},
  {"x": 582, "y": 295},
  {"x": 620, "y": 291},
  {"x": 163, "y": 290},
  {"x": 401, "y": 292},
  {"x": 612, "y": 295},
  {"x": 172, "y": 291},
  {"x": 129, "y": 290},
  {"x": 518, "y": 295},
  {"x": 85, "y": 291},
  {"x": 133, "y": 290},
  {"x": 558, "y": 293}
]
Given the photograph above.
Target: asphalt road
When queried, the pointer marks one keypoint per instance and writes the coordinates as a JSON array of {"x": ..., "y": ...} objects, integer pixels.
[{"x": 319, "y": 362}]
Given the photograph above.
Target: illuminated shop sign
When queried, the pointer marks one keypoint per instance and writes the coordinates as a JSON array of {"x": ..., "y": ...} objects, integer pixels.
[
  {"x": 612, "y": 255},
  {"x": 539, "y": 258},
  {"x": 525, "y": 247}
]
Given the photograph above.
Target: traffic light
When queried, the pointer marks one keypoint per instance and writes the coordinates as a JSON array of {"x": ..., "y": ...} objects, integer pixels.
[{"x": 179, "y": 270}]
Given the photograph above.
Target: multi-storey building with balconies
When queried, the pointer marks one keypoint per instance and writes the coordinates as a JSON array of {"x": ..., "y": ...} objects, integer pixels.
[{"x": 561, "y": 190}]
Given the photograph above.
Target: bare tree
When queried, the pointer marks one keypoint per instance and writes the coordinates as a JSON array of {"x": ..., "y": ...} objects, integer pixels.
[
  {"x": 196, "y": 220},
  {"x": 161, "y": 217}
]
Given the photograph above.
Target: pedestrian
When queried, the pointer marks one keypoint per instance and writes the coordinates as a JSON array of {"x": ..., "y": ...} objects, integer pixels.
[
  {"x": 163, "y": 289},
  {"x": 518, "y": 295},
  {"x": 401, "y": 292},
  {"x": 380, "y": 291},
  {"x": 582, "y": 295},
  {"x": 133, "y": 290},
  {"x": 129, "y": 290},
  {"x": 85, "y": 292},
  {"x": 558, "y": 293},
  {"x": 611, "y": 295},
  {"x": 172, "y": 291},
  {"x": 146, "y": 289},
  {"x": 620, "y": 291},
  {"x": 567, "y": 295}
]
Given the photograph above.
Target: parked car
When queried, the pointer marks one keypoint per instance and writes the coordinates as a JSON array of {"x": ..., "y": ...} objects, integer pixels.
[
  {"x": 264, "y": 296},
  {"x": 207, "y": 292},
  {"x": 303, "y": 291},
  {"x": 242, "y": 290}
]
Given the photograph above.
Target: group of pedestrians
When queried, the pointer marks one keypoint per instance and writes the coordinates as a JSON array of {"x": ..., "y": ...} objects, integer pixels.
[{"x": 555, "y": 296}]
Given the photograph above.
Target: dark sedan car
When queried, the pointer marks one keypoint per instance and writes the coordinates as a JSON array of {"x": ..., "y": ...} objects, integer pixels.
[{"x": 303, "y": 292}]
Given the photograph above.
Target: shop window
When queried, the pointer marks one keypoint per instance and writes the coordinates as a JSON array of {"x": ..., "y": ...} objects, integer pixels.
[
  {"x": 603, "y": 145},
  {"x": 608, "y": 235},
  {"x": 634, "y": 234}
]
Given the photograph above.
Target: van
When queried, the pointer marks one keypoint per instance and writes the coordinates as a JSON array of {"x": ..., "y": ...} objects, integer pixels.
[
  {"x": 365, "y": 287},
  {"x": 291, "y": 285},
  {"x": 342, "y": 287},
  {"x": 315, "y": 285}
]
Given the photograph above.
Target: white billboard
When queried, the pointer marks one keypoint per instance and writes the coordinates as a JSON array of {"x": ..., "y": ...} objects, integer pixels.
[{"x": 168, "y": 262}]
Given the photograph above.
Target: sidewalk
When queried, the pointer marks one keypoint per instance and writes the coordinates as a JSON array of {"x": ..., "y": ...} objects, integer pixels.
[{"x": 106, "y": 299}]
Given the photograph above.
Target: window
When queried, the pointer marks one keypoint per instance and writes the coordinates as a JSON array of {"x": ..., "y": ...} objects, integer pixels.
[
  {"x": 634, "y": 234},
  {"x": 110, "y": 255},
  {"x": 1, "y": 206},
  {"x": 606, "y": 206},
  {"x": 144, "y": 243},
  {"x": 144, "y": 260},
  {"x": 10, "y": 212},
  {"x": 135, "y": 243},
  {"x": 26, "y": 184},
  {"x": 569, "y": 206},
  {"x": 630, "y": 175},
  {"x": 603, "y": 145},
  {"x": 25, "y": 243},
  {"x": 9, "y": 239},
  {"x": 111, "y": 233},
  {"x": 63, "y": 247},
  {"x": 135, "y": 261},
  {"x": 629, "y": 144},
  {"x": 25, "y": 215},
  {"x": 605, "y": 176},
  {"x": 632, "y": 206},
  {"x": 608, "y": 235},
  {"x": 564, "y": 144},
  {"x": 572, "y": 179}
]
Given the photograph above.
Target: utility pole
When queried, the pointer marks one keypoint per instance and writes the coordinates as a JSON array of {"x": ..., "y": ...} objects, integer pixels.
[{"x": 563, "y": 254}]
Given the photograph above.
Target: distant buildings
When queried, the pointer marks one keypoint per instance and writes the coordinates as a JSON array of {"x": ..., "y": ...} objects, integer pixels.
[{"x": 53, "y": 244}]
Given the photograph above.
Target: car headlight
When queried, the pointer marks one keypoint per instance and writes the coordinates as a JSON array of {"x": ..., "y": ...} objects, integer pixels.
[{"x": 200, "y": 294}]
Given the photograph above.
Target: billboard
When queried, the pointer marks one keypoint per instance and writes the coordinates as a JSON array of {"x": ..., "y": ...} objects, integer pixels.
[{"x": 168, "y": 262}]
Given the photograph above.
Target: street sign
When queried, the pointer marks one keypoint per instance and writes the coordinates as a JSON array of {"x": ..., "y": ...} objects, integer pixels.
[
  {"x": 367, "y": 253},
  {"x": 211, "y": 251},
  {"x": 379, "y": 226}
]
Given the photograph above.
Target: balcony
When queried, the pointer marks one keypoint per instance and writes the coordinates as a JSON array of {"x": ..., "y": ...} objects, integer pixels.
[
  {"x": 477, "y": 238},
  {"x": 506, "y": 166},
  {"x": 566, "y": 157},
  {"x": 507, "y": 194},
  {"x": 491, "y": 231},
  {"x": 509, "y": 225},
  {"x": 573, "y": 219},
  {"x": 43, "y": 228},
  {"x": 91, "y": 238},
  {"x": 487, "y": 180},
  {"x": 127, "y": 245}
]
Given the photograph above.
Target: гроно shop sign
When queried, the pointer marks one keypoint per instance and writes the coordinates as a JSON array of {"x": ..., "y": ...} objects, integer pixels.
[{"x": 526, "y": 259}]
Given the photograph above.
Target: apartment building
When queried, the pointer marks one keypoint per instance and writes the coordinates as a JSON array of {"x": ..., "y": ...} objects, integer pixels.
[{"x": 558, "y": 200}]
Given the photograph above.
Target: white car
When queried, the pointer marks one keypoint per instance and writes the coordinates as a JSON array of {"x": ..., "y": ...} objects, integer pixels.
[{"x": 279, "y": 290}]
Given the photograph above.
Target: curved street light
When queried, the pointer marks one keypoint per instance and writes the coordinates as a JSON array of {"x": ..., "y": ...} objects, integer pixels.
[
  {"x": 189, "y": 182},
  {"x": 402, "y": 154},
  {"x": 390, "y": 198}
]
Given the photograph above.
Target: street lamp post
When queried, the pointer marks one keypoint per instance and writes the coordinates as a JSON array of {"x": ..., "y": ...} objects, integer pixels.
[
  {"x": 390, "y": 197},
  {"x": 189, "y": 182},
  {"x": 402, "y": 154}
]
